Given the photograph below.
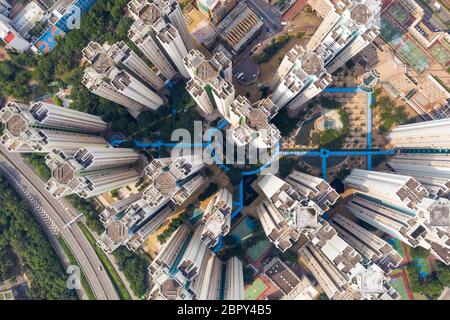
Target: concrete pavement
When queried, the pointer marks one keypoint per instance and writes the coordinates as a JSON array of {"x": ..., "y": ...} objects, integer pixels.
[{"x": 58, "y": 216}]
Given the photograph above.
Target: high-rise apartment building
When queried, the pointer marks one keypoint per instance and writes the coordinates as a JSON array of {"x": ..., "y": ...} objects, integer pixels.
[
  {"x": 215, "y": 10},
  {"x": 170, "y": 184},
  {"x": 404, "y": 224},
  {"x": 313, "y": 188},
  {"x": 130, "y": 222},
  {"x": 172, "y": 10},
  {"x": 338, "y": 268},
  {"x": 300, "y": 77},
  {"x": 211, "y": 84},
  {"x": 125, "y": 58},
  {"x": 401, "y": 190},
  {"x": 173, "y": 180},
  {"x": 40, "y": 127},
  {"x": 431, "y": 170},
  {"x": 346, "y": 29},
  {"x": 217, "y": 217},
  {"x": 367, "y": 243},
  {"x": 90, "y": 171},
  {"x": 163, "y": 270},
  {"x": 218, "y": 280},
  {"x": 106, "y": 79},
  {"x": 160, "y": 31},
  {"x": 420, "y": 227},
  {"x": 285, "y": 214},
  {"x": 250, "y": 124},
  {"x": 185, "y": 269},
  {"x": 206, "y": 285},
  {"x": 193, "y": 256},
  {"x": 233, "y": 286},
  {"x": 429, "y": 134}
]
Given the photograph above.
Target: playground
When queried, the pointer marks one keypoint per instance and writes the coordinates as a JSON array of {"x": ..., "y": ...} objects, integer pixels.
[{"x": 255, "y": 290}]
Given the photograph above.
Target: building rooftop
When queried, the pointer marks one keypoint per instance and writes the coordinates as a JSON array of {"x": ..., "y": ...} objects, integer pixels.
[
  {"x": 150, "y": 14},
  {"x": 257, "y": 119},
  {"x": 312, "y": 63},
  {"x": 283, "y": 277},
  {"x": 101, "y": 63},
  {"x": 206, "y": 71},
  {"x": 117, "y": 231},
  {"x": 63, "y": 173},
  {"x": 165, "y": 183},
  {"x": 361, "y": 14},
  {"x": 16, "y": 124}
]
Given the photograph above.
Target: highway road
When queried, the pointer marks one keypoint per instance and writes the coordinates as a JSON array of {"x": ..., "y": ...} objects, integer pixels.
[{"x": 57, "y": 216}]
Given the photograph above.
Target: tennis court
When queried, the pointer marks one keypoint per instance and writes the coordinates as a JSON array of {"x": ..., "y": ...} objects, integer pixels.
[
  {"x": 257, "y": 251},
  {"x": 401, "y": 15},
  {"x": 413, "y": 55},
  {"x": 256, "y": 289},
  {"x": 441, "y": 53},
  {"x": 390, "y": 33},
  {"x": 403, "y": 45}
]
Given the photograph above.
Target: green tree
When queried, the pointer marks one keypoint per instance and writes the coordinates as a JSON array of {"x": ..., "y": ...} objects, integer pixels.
[{"x": 20, "y": 231}]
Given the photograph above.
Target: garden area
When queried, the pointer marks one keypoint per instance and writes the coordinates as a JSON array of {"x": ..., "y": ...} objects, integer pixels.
[
  {"x": 272, "y": 49},
  {"x": 334, "y": 139},
  {"x": 427, "y": 277},
  {"x": 387, "y": 113}
]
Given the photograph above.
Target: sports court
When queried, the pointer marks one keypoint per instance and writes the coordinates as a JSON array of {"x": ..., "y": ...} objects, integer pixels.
[
  {"x": 258, "y": 250},
  {"x": 47, "y": 42},
  {"x": 401, "y": 15},
  {"x": 243, "y": 230},
  {"x": 255, "y": 290},
  {"x": 399, "y": 284},
  {"x": 441, "y": 53},
  {"x": 415, "y": 57},
  {"x": 394, "y": 20}
]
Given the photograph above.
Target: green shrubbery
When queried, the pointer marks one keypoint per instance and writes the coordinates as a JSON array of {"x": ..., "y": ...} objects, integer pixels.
[
  {"x": 135, "y": 267},
  {"x": 390, "y": 114},
  {"x": 273, "y": 48},
  {"x": 173, "y": 226},
  {"x": 434, "y": 283},
  {"x": 90, "y": 210},
  {"x": 38, "y": 162}
]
